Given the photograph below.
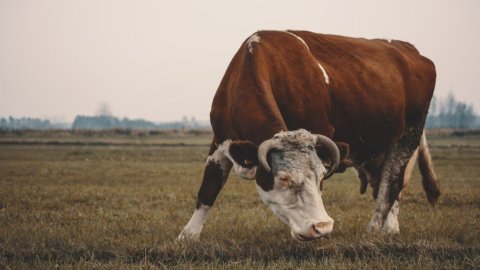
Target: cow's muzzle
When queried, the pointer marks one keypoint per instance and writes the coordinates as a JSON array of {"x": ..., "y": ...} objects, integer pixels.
[{"x": 314, "y": 231}]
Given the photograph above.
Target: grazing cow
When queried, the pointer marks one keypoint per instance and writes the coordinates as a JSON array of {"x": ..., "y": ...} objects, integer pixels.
[{"x": 294, "y": 107}]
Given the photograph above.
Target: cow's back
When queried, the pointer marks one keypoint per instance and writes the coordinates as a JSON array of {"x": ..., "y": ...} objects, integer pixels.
[
  {"x": 363, "y": 92},
  {"x": 379, "y": 87}
]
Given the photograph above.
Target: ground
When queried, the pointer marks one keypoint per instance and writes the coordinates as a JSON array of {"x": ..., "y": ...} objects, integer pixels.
[{"x": 118, "y": 200}]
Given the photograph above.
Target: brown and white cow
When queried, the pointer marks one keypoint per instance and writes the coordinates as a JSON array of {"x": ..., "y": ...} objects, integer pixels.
[{"x": 294, "y": 107}]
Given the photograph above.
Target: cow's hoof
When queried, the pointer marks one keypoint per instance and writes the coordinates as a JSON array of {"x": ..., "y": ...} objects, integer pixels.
[
  {"x": 373, "y": 227},
  {"x": 391, "y": 227},
  {"x": 187, "y": 236},
  {"x": 389, "y": 230}
]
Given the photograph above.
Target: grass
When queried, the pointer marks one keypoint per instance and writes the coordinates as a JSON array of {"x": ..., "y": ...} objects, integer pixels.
[{"x": 121, "y": 205}]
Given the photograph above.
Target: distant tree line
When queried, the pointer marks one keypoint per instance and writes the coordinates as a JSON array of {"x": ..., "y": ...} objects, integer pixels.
[
  {"x": 111, "y": 122},
  {"x": 99, "y": 122},
  {"x": 451, "y": 113},
  {"x": 444, "y": 113},
  {"x": 28, "y": 123}
]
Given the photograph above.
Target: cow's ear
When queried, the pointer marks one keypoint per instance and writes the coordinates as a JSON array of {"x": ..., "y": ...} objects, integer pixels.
[
  {"x": 244, "y": 153},
  {"x": 344, "y": 149}
]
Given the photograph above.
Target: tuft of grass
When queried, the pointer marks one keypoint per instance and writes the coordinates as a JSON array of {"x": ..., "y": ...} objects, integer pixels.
[{"x": 121, "y": 206}]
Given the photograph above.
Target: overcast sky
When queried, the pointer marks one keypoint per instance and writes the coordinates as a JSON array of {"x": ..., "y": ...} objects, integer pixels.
[{"x": 161, "y": 60}]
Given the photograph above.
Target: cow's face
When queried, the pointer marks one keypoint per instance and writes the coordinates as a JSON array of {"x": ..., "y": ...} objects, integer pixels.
[{"x": 289, "y": 179}]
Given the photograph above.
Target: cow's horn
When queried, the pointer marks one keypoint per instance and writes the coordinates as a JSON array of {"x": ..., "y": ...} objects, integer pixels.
[
  {"x": 333, "y": 152},
  {"x": 263, "y": 150}
]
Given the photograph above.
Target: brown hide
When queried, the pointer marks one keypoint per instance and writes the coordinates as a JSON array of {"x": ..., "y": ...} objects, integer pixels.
[{"x": 376, "y": 90}]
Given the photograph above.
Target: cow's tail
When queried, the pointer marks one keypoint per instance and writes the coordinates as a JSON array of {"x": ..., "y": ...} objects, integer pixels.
[
  {"x": 429, "y": 178},
  {"x": 425, "y": 164}
]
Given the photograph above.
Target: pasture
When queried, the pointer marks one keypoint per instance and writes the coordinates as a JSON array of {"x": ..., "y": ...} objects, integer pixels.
[{"x": 119, "y": 200}]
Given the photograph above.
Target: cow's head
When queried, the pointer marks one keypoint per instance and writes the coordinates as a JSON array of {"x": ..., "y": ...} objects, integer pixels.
[{"x": 291, "y": 168}]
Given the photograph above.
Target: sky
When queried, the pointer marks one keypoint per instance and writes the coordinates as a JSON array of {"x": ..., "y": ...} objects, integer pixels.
[{"x": 162, "y": 60}]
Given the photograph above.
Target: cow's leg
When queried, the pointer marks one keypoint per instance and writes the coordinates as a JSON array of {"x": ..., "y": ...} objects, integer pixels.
[
  {"x": 391, "y": 182},
  {"x": 391, "y": 224},
  {"x": 215, "y": 175}
]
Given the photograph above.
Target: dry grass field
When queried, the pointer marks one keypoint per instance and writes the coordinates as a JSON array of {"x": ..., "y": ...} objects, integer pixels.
[{"x": 118, "y": 201}]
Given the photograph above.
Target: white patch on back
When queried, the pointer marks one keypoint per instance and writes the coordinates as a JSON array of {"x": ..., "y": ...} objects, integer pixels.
[
  {"x": 194, "y": 226},
  {"x": 325, "y": 75},
  {"x": 299, "y": 38},
  {"x": 252, "y": 39}
]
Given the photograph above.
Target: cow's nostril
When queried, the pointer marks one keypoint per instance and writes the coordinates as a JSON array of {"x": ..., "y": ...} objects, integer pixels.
[
  {"x": 322, "y": 225},
  {"x": 322, "y": 228}
]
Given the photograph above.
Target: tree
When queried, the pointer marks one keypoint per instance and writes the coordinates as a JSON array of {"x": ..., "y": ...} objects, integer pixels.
[
  {"x": 450, "y": 113},
  {"x": 103, "y": 109}
]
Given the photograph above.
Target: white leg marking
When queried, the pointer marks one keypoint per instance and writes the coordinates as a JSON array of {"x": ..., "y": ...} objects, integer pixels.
[
  {"x": 376, "y": 223},
  {"x": 252, "y": 39},
  {"x": 194, "y": 227},
  {"x": 391, "y": 224}
]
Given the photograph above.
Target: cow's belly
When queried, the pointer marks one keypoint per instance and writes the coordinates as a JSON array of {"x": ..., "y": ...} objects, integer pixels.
[{"x": 369, "y": 130}]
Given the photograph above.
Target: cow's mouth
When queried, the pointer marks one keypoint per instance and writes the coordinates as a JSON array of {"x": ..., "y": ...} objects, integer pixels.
[{"x": 302, "y": 238}]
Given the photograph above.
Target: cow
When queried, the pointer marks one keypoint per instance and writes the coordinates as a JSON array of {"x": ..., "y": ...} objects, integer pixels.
[{"x": 295, "y": 107}]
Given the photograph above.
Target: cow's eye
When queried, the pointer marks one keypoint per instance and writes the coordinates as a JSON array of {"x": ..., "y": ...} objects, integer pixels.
[
  {"x": 311, "y": 148},
  {"x": 282, "y": 176},
  {"x": 248, "y": 162}
]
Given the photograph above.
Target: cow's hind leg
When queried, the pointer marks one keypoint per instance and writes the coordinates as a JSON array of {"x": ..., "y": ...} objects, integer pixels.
[
  {"x": 215, "y": 175},
  {"x": 391, "y": 224},
  {"x": 385, "y": 217}
]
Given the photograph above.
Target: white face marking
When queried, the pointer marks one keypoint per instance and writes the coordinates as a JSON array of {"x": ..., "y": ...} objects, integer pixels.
[
  {"x": 298, "y": 212},
  {"x": 295, "y": 197},
  {"x": 252, "y": 39},
  {"x": 194, "y": 226}
]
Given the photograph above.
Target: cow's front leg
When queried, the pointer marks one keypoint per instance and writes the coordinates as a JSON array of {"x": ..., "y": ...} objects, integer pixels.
[{"x": 215, "y": 175}]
